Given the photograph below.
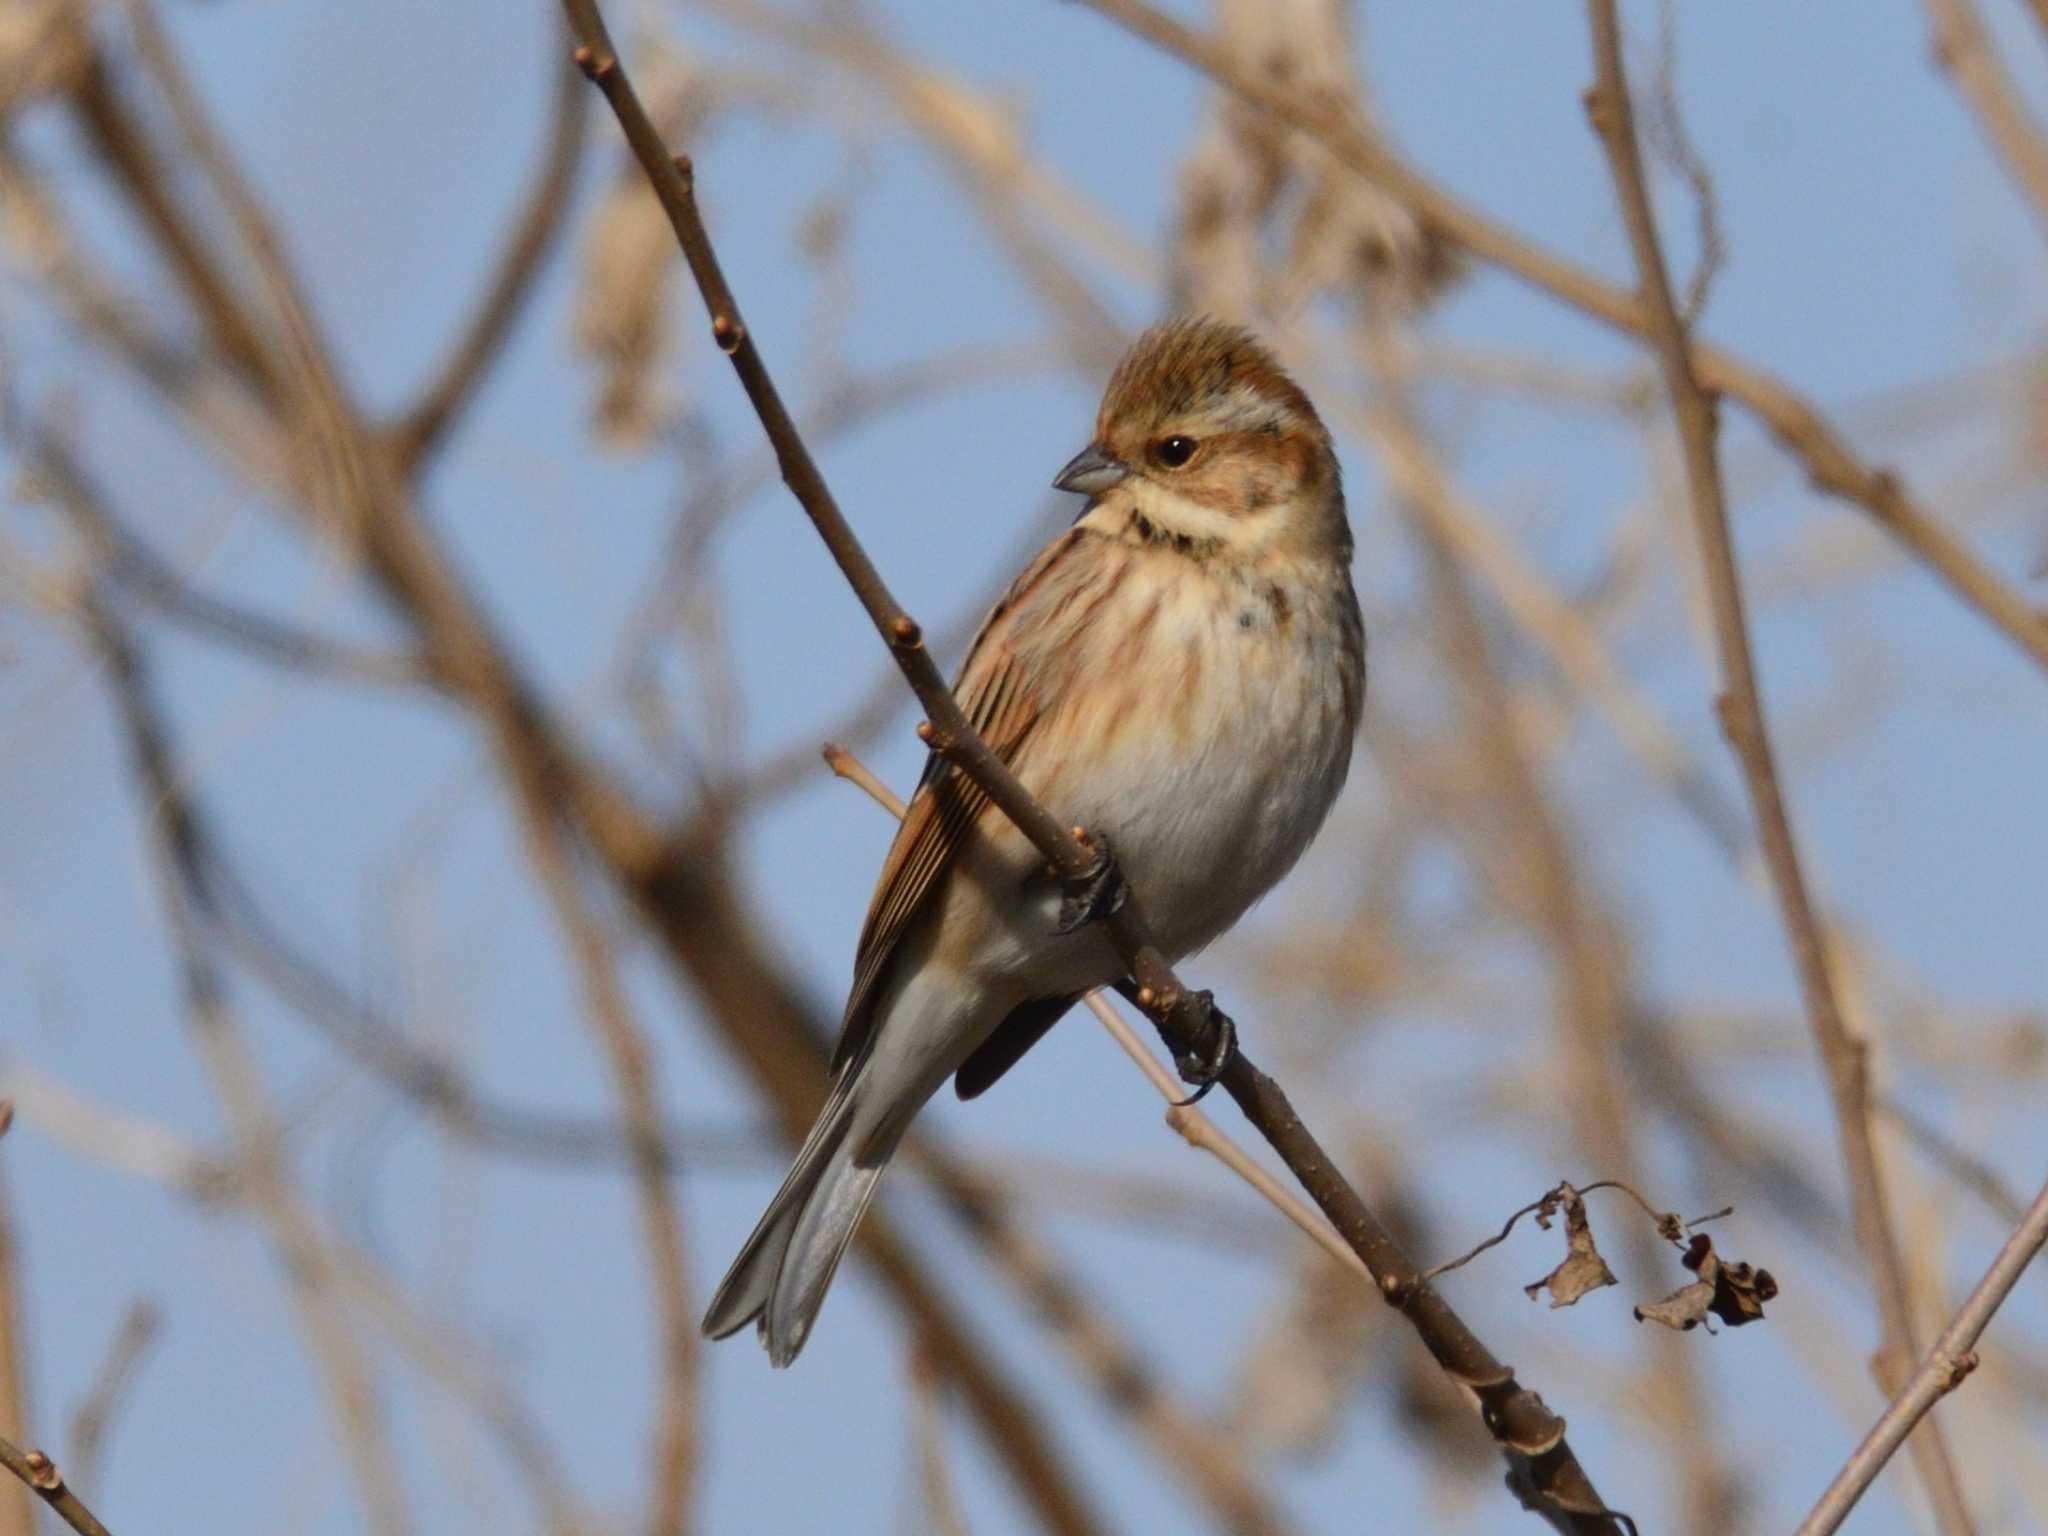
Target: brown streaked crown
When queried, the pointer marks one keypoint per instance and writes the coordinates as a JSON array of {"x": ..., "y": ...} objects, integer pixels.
[
  {"x": 1193, "y": 367},
  {"x": 1203, "y": 423}
]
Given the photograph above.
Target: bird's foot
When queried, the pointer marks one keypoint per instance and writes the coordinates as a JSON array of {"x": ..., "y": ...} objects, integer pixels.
[
  {"x": 1094, "y": 894},
  {"x": 1203, "y": 1067}
]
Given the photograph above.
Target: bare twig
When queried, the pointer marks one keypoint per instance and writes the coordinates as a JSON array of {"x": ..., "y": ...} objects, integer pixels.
[
  {"x": 1742, "y": 718},
  {"x": 132, "y": 563},
  {"x": 148, "y": 1150},
  {"x": 17, "y": 1514},
  {"x": 95, "y": 1412},
  {"x": 674, "y": 1452},
  {"x": 218, "y": 1037},
  {"x": 348, "y": 484},
  {"x": 1544, "y": 1471},
  {"x": 940, "y": 1505},
  {"x": 1968, "y": 1170},
  {"x": 1797, "y": 425},
  {"x": 1947, "y": 1364},
  {"x": 533, "y": 236},
  {"x": 41, "y": 1476},
  {"x": 1964, "y": 48}
]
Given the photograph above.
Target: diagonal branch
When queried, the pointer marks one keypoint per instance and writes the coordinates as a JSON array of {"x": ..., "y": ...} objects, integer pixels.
[
  {"x": 1964, "y": 48},
  {"x": 680, "y": 885},
  {"x": 533, "y": 237},
  {"x": 1947, "y": 1364},
  {"x": 40, "y": 1474},
  {"x": 1544, "y": 1472},
  {"x": 1742, "y": 718},
  {"x": 1798, "y": 426}
]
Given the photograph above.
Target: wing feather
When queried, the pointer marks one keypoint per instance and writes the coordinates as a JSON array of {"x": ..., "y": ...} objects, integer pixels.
[{"x": 1002, "y": 705}]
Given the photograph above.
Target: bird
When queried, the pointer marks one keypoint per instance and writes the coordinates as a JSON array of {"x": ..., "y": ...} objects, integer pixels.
[{"x": 1180, "y": 673}]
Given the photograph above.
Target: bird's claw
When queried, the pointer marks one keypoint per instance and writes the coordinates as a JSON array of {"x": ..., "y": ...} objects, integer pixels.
[
  {"x": 1095, "y": 894},
  {"x": 1204, "y": 1072}
]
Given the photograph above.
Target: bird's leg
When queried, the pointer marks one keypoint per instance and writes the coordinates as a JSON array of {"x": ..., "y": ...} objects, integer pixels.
[
  {"x": 1203, "y": 1066},
  {"x": 1094, "y": 894}
]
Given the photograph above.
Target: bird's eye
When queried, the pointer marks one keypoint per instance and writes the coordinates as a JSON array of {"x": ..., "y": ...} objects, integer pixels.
[{"x": 1175, "y": 451}]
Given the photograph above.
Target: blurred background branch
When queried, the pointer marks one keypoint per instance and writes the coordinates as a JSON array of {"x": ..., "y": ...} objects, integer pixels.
[{"x": 402, "y": 1037}]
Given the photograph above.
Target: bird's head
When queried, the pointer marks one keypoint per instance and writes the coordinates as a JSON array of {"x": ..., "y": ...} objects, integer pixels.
[{"x": 1204, "y": 436}]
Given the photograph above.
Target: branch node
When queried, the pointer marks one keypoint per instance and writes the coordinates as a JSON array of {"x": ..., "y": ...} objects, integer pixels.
[
  {"x": 43, "y": 1474},
  {"x": 596, "y": 67},
  {"x": 904, "y": 633},
  {"x": 1599, "y": 109},
  {"x": 728, "y": 333},
  {"x": 687, "y": 169},
  {"x": 1959, "y": 1370}
]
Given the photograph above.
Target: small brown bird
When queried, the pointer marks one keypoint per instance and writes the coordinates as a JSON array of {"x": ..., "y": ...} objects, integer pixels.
[{"x": 1180, "y": 672}]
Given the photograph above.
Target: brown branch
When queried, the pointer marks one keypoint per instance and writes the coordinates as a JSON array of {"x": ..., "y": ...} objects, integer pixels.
[
  {"x": 674, "y": 1451},
  {"x": 148, "y": 1150},
  {"x": 41, "y": 1476},
  {"x": 1951, "y": 1360},
  {"x": 1541, "y": 886},
  {"x": 17, "y": 1514},
  {"x": 678, "y": 884},
  {"x": 1965, "y": 50},
  {"x": 122, "y": 143},
  {"x": 126, "y": 559},
  {"x": 218, "y": 1041},
  {"x": 95, "y": 1412},
  {"x": 1797, "y": 425},
  {"x": 533, "y": 237},
  {"x": 1742, "y": 718},
  {"x": 1543, "y": 1470}
]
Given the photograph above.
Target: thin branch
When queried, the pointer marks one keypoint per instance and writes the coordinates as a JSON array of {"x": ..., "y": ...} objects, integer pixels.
[
  {"x": 110, "y": 125},
  {"x": 1965, "y": 50},
  {"x": 1742, "y": 719},
  {"x": 533, "y": 237},
  {"x": 137, "y": 567},
  {"x": 217, "y": 1035},
  {"x": 1971, "y": 1172},
  {"x": 17, "y": 1514},
  {"x": 110, "y": 1383},
  {"x": 1945, "y": 1368},
  {"x": 150, "y": 1151},
  {"x": 1797, "y": 425},
  {"x": 346, "y": 480},
  {"x": 1544, "y": 1471},
  {"x": 675, "y": 1439},
  {"x": 41, "y": 1476}
]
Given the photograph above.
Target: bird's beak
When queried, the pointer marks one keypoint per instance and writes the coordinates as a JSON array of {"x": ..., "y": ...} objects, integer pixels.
[{"x": 1090, "y": 472}]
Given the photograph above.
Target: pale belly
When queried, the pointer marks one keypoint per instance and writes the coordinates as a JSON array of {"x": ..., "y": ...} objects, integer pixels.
[{"x": 1207, "y": 798}]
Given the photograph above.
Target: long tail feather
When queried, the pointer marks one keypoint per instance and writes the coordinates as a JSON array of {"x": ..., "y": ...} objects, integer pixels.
[{"x": 783, "y": 1270}]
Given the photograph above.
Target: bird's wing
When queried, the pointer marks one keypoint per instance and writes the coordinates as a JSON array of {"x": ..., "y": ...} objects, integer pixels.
[{"x": 1002, "y": 705}]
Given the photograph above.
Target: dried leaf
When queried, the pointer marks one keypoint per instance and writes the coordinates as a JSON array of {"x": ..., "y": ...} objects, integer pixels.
[
  {"x": 1583, "y": 1269},
  {"x": 1735, "y": 1293}
]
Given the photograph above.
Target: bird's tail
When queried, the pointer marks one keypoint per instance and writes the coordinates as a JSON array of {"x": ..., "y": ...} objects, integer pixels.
[{"x": 782, "y": 1272}]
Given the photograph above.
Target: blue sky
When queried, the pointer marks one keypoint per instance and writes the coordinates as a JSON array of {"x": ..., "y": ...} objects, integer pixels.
[{"x": 1873, "y": 245}]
